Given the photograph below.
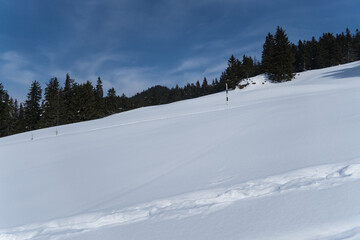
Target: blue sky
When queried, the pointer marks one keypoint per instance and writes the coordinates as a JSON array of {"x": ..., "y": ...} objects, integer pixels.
[{"x": 135, "y": 44}]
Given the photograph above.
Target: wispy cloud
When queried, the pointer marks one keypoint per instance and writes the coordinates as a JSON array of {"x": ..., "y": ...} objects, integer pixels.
[
  {"x": 190, "y": 64},
  {"x": 129, "y": 80},
  {"x": 133, "y": 45},
  {"x": 15, "y": 68}
]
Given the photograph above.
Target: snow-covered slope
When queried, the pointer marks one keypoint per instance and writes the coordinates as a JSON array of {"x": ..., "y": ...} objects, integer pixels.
[{"x": 280, "y": 161}]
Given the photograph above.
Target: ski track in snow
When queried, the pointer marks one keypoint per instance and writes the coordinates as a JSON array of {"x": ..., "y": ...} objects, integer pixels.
[{"x": 195, "y": 203}]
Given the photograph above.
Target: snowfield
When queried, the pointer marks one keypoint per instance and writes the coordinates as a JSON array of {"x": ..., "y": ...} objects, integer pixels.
[{"x": 280, "y": 161}]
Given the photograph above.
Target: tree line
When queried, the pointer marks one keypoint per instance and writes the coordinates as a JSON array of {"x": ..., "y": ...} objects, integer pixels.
[
  {"x": 281, "y": 59},
  {"x": 75, "y": 102}
]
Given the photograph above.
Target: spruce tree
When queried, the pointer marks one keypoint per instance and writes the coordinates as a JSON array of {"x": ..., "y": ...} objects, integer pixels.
[
  {"x": 21, "y": 124},
  {"x": 283, "y": 57},
  {"x": 198, "y": 90},
  {"x": 350, "y": 49},
  {"x": 99, "y": 98},
  {"x": 68, "y": 112},
  {"x": 123, "y": 103},
  {"x": 329, "y": 51},
  {"x": 51, "y": 104},
  {"x": 32, "y": 106},
  {"x": 257, "y": 66},
  {"x": 111, "y": 101},
  {"x": 357, "y": 44},
  {"x": 313, "y": 47},
  {"x": 268, "y": 54},
  {"x": 175, "y": 94},
  {"x": 14, "y": 115},
  {"x": 232, "y": 75},
  {"x": 247, "y": 67},
  {"x": 5, "y": 118},
  {"x": 205, "y": 86},
  {"x": 84, "y": 101},
  {"x": 300, "y": 60},
  {"x": 279, "y": 59}
]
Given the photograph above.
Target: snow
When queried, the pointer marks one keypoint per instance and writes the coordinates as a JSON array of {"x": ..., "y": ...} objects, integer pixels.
[{"x": 281, "y": 161}]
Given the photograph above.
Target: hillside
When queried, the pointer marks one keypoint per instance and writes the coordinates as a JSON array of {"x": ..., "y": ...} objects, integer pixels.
[{"x": 280, "y": 161}]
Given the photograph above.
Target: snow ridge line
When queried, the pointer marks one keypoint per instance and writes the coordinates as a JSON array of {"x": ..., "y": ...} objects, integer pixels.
[
  {"x": 67, "y": 133},
  {"x": 200, "y": 202},
  {"x": 351, "y": 232}
]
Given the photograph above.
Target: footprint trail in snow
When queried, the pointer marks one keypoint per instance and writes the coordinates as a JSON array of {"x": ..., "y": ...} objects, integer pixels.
[{"x": 182, "y": 206}]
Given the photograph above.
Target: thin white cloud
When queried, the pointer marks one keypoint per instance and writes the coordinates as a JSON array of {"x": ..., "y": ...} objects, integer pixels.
[
  {"x": 190, "y": 64},
  {"x": 131, "y": 80},
  {"x": 248, "y": 49},
  {"x": 15, "y": 68},
  {"x": 128, "y": 80},
  {"x": 215, "y": 69},
  {"x": 95, "y": 62}
]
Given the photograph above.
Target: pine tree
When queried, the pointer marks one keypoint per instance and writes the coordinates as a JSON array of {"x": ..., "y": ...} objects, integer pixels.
[
  {"x": 51, "y": 104},
  {"x": 32, "y": 106},
  {"x": 257, "y": 66},
  {"x": 14, "y": 115},
  {"x": 205, "y": 86},
  {"x": 279, "y": 59},
  {"x": 111, "y": 102},
  {"x": 247, "y": 67},
  {"x": 313, "y": 47},
  {"x": 349, "y": 53},
  {"x": 123, "y": 103},
  {"x": 99, "y": 98},
  {"x": 216, "y": 85},
  {"x": 232, "y": 75},
  {"x": 5, "y": 118},
  {"x": 68, "y": 112},
  {"x": 175, "y": 94},
  {"x": 357, "y": 44},
  {"x": 306, "y": 56},
  {"x": 198, "y": 90},
  {"x": 21, "y": 124},
  {"x": 84, "y": 102},
  {"x": 268, "y": 54},
  {"x": 283, "y": 57},
  {"x": 300, "y": 57},
  {"x": 329, "y": 51}
]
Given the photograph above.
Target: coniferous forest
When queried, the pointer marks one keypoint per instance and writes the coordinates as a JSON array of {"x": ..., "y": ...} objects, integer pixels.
[{"x": 63, "y": 102}]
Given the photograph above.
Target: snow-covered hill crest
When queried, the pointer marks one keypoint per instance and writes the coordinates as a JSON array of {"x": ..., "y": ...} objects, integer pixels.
[{"x": 280, "y": 161}]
